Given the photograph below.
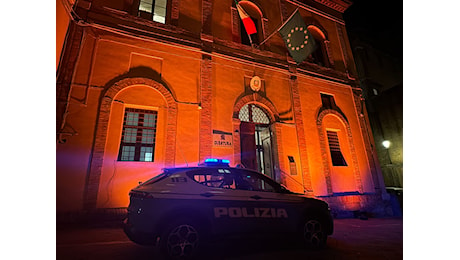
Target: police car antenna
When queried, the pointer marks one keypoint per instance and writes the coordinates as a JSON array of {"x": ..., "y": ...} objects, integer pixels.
[{"x": 181, "y": 153}]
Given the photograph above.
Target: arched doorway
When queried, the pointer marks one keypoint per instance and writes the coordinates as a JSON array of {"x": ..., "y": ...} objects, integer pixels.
[{"x": 256, "y": 139}]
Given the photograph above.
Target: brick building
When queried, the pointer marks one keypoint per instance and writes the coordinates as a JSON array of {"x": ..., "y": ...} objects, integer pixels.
[
  {"x": 381, "y": 80},
  {"x": 143, "y": 85}
]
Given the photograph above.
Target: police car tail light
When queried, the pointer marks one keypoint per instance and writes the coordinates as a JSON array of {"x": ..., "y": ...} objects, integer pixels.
[{"x": 141, "y": 195}]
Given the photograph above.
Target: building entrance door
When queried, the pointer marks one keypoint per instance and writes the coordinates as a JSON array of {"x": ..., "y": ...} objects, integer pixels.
[
  {"x": 256, "y": 140},
  {"x": 248, "y": 145}
]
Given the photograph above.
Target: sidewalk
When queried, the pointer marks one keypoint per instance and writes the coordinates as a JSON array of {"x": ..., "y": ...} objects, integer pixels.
[{"x": 379, "y": 238}]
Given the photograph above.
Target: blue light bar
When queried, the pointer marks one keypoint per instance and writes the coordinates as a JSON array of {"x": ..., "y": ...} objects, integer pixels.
[{"x": 214, "y": 161}]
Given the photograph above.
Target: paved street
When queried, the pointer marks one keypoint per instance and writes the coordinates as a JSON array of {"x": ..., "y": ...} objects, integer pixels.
[{"x": 352, "y": 239}]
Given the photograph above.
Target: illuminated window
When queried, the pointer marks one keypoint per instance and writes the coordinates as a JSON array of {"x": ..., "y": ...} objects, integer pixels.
[
  {"x": 138, "y": 136},
  {"x": 334, "y": 147},
  {"x": 154, "y": 10}
]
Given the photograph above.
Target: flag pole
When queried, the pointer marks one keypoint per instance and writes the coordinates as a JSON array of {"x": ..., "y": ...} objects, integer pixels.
[
  {"x": 273, "y": 33},
  {"x": 266, "y": 39}
]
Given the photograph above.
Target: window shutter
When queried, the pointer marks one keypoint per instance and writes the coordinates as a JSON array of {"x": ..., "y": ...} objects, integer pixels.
[{"x": 334, "y": 147}]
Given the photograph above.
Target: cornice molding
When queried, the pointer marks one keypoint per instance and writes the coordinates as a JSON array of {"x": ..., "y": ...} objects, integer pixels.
[
  {"x": 302, "y": 4},
  {"x": 119, "y": 22},
  {"x": 338, "y": 5}
]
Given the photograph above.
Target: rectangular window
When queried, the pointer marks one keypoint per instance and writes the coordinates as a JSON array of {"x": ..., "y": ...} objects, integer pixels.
[
  {"x": 334, "y": 147},
  {"x": 154, "y": 10},
  {"x": 292, "y": 165},
  {"x": 328, "y": 101},
  {"x": 146, "y": 6},
  {"x": 138, "y": 136}
]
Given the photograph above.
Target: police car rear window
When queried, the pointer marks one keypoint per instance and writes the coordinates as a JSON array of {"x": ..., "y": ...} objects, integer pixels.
[{"x": 156, "y": 179}]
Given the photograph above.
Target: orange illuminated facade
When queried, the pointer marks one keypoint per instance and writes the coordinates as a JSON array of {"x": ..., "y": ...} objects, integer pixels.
[{"x": 142, "y": 86}]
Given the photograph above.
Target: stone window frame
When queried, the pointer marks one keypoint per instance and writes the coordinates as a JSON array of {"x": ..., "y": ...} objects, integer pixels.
[
  {"x": 324, "y": 43},
  {"x": 268, "y": 108},
  {"x": 236, "y": 22},
  {"x": 324, "y": 149},
  {"x": 102, "y": 124}
]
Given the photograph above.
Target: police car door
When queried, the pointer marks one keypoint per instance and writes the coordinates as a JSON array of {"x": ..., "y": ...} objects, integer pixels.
[
  {"x": 228, "y": 208},
  {"x": 275, "y": 211}
]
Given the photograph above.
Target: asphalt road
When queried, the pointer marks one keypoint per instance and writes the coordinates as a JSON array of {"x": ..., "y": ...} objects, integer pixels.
[{"x": 352, "y": 239}]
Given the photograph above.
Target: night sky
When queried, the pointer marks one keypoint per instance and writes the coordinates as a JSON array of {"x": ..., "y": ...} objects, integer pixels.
[{"x": 377, "y": 22}]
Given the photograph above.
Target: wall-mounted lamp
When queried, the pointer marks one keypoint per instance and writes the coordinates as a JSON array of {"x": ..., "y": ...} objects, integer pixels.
[{"x": 386, "y": 144}]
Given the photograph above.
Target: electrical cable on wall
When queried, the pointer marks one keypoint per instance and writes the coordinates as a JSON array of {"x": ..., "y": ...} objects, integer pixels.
[{"x": 109, "y": 185}]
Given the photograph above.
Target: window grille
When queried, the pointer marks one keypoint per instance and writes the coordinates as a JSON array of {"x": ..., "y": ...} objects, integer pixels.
[
  {"x": 138, "y": 136},
  {"x": 244, "y": 114},
  {"x": 252, "y": 113},
  {"x": 334, "y": 147}
]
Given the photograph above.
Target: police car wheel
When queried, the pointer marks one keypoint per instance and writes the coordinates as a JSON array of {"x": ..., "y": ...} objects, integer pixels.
[
  {"x": 314, "y": 234},
  {"x": 181, "y": 240}
]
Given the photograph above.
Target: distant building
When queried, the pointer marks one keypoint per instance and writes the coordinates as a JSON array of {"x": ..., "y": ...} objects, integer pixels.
[
  {"x": 381, "y": 79},
  {"x": 143, "y": 85}
]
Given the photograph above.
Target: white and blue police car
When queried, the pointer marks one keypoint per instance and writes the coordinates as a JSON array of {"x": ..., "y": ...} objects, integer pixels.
[{"x": 182, "y": 208}]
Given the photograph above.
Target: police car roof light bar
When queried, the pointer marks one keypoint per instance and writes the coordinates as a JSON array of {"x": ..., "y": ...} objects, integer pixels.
[{"x": 214, "y": 161}]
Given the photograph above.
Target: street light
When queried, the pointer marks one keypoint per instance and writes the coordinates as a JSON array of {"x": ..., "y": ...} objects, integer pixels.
[{"x": 386, "y": 144}]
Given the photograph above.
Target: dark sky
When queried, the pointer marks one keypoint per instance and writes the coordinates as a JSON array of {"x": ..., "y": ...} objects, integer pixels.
[{"x": 378, "y": 22}]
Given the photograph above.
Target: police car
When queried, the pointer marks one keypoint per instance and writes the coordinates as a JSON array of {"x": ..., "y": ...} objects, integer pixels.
[{"x": 183, "y": 208}]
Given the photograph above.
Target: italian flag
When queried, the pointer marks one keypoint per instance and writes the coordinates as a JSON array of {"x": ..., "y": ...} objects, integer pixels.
[{"x": 247, "y": 21}]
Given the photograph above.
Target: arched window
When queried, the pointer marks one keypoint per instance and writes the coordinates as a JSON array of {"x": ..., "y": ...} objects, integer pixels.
[
  {"x": 252, "y": 113},
  {"x": 256, "y": 16},
  {"x": 319, "y": 56}
]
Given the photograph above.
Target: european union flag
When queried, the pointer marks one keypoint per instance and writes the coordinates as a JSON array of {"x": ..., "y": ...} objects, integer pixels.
[{"x": 299, "y": 42}]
